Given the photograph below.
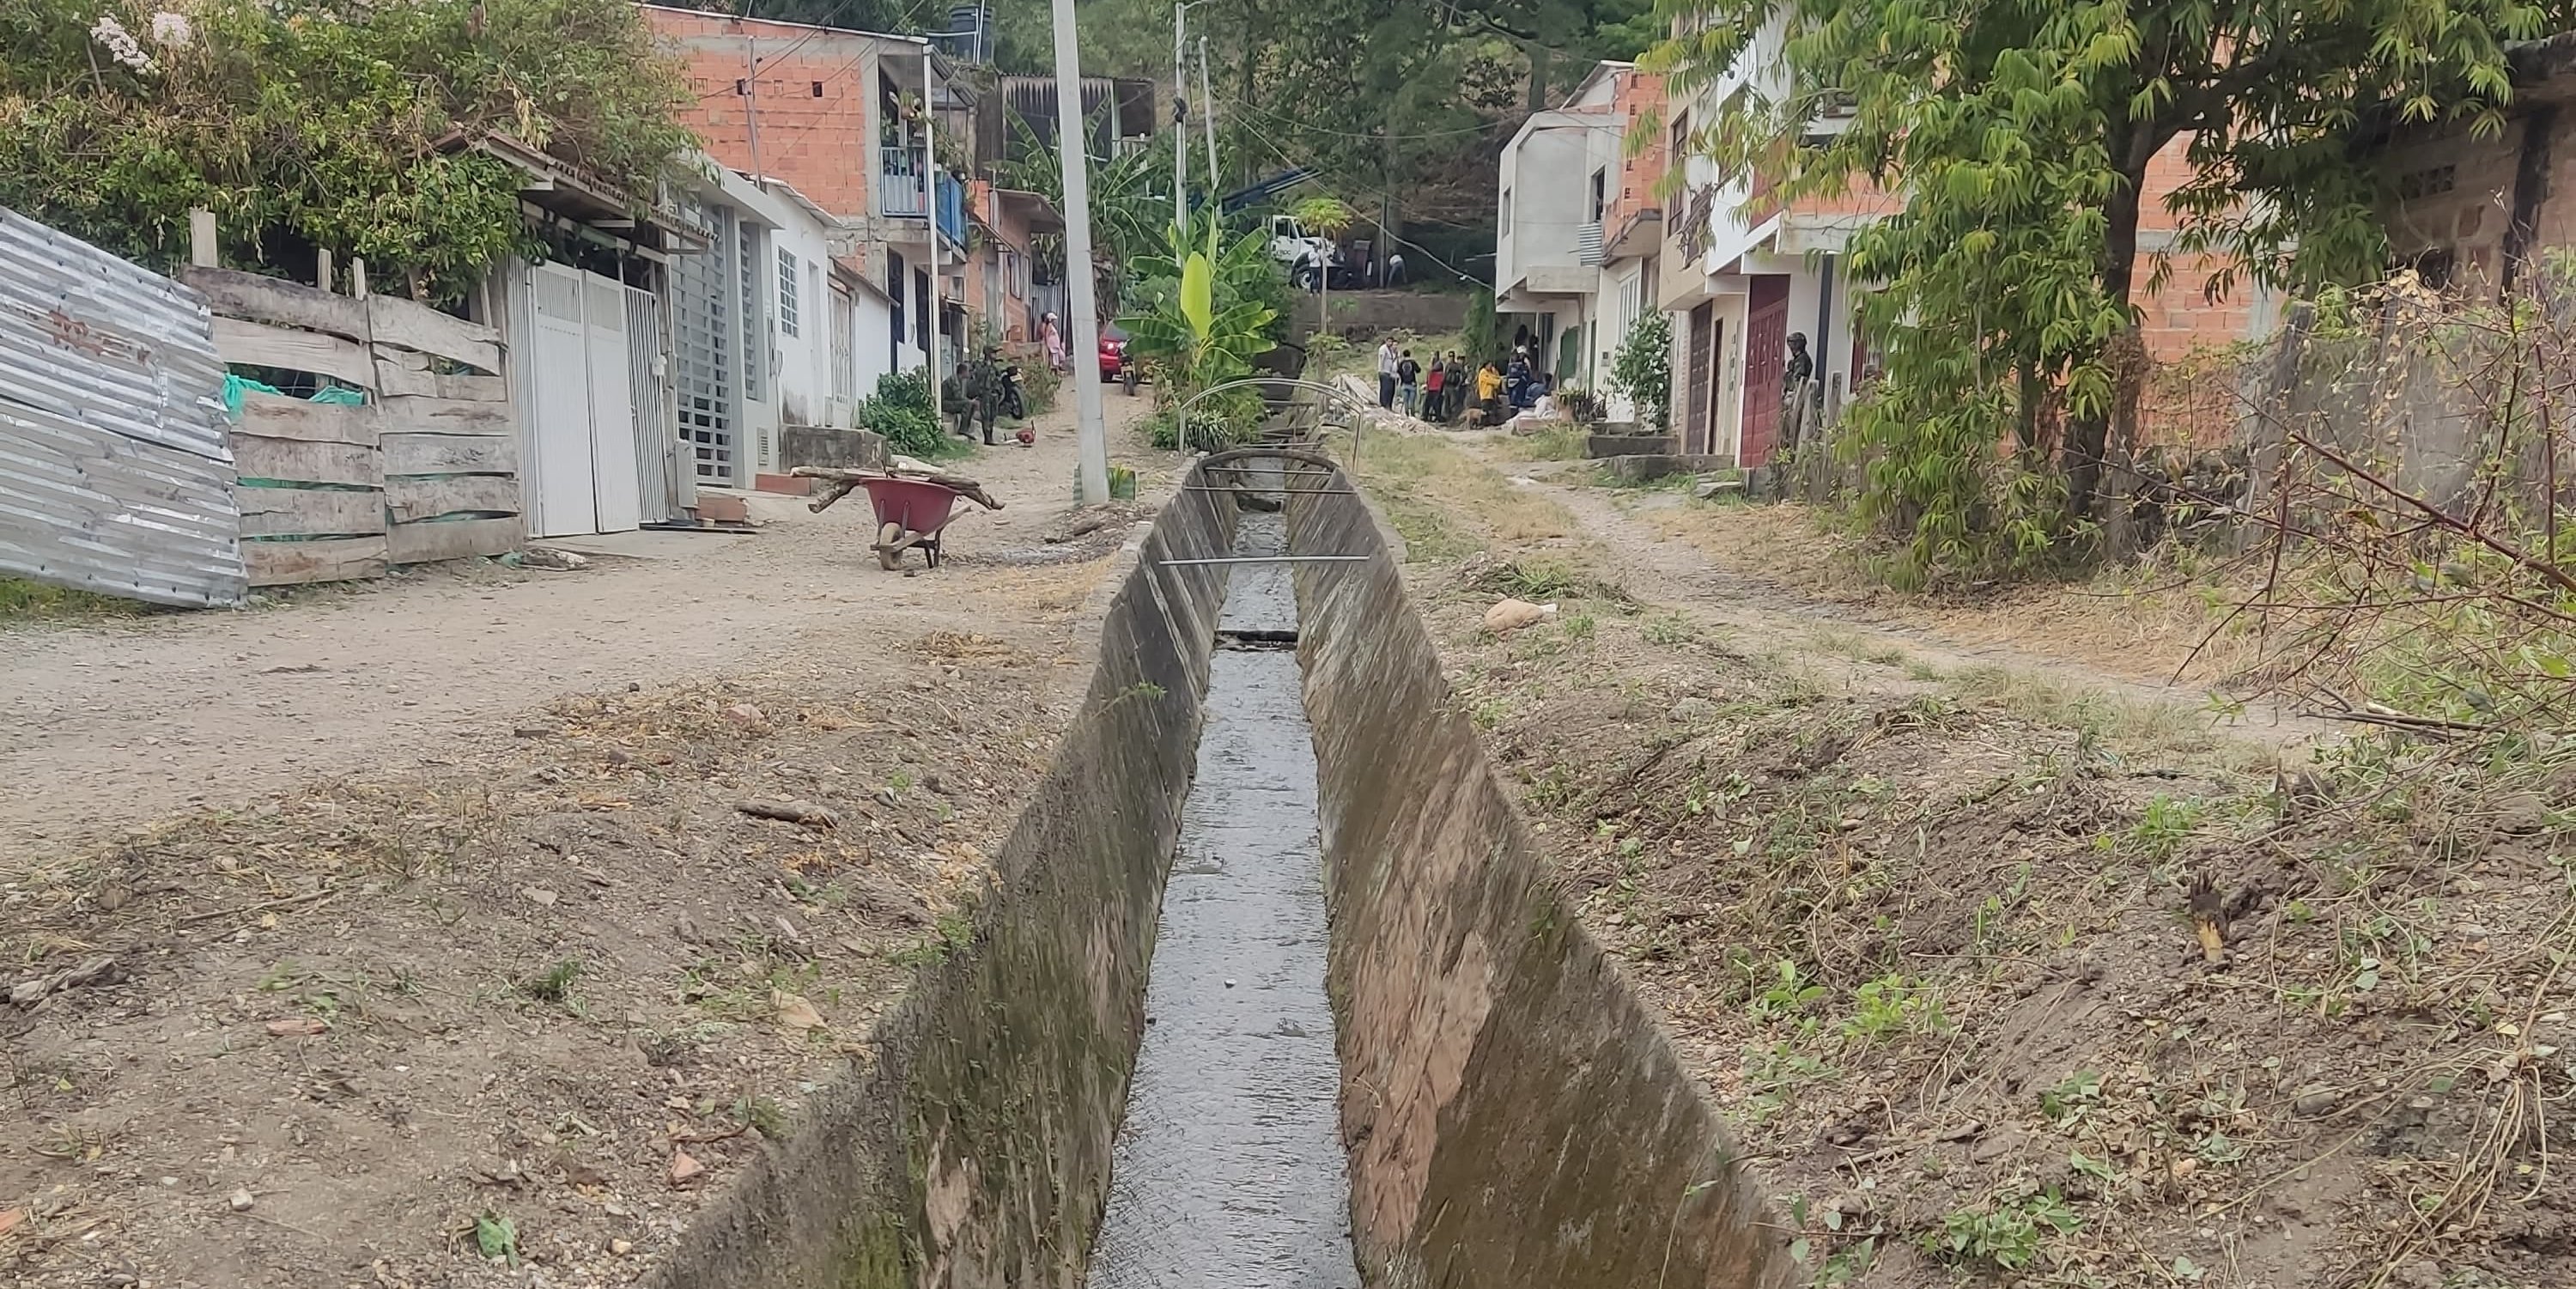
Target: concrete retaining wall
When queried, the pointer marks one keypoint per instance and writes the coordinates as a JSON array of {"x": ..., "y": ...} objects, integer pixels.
[
  {"x": 1366, "y": 313},
  {"x": 974, "y": 1151},
  {"x": 837, "y": 449},
  {"x": 1514, "y": 1115}
]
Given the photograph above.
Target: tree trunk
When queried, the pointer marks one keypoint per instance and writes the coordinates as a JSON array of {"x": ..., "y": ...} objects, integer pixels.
[
  {"x": 1538, "y": 59},
  {"x": 1244, "y": 171},
  {"x": 2026, "y": 416},
  {"x": 2087, "y": 434}
]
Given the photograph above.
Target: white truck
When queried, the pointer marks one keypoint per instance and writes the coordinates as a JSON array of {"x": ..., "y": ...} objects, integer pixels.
[{"x": 1306, "y": 255}]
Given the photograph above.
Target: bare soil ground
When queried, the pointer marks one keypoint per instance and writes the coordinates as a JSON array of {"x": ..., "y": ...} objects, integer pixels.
[
  {"x": 439, "y": 948},
  {"x": 119, "y": 721},
  {"x": 1925, "y": 912}
]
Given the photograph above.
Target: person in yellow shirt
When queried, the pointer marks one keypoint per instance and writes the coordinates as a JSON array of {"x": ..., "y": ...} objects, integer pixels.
[{"x": 1489, "y": 387}]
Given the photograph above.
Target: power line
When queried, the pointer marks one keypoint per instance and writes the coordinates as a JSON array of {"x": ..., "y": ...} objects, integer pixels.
[
  {"x": 1382, "y": 194},
  {"x": 1347, "y": 134},
  {"x": 740, "y": 82}
]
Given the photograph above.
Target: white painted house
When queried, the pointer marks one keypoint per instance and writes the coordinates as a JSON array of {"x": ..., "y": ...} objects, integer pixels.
[
  {"x": 1547, "y": 233},
  {"x": 1580, "y": 236},
  {"x": 773, "y": 328}
]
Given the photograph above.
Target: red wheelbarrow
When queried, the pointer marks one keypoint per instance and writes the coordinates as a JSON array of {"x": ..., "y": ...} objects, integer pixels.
[{"x": 911, "y": 511}]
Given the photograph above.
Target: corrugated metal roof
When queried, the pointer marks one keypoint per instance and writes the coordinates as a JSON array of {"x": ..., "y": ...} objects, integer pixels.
[{"x": 116, "y": 472}]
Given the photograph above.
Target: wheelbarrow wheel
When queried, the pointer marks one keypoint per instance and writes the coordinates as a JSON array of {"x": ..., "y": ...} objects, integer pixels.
[{"x": 890, "y": 545}]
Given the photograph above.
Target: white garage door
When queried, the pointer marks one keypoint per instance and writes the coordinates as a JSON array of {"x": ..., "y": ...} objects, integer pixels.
[{"x": 583, "y": 432}]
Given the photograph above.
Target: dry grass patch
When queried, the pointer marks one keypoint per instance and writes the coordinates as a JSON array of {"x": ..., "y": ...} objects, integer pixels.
[
  {"x": 1447, "y": 504},
  {"x": 2162, "y": 619}
]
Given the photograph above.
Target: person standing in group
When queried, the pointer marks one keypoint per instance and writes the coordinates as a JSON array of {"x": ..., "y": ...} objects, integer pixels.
[
  {"x": 1489, "y": 388},
  {"x": 1386, "y": 360},
  {"x": 1408, "y": 378},
  {"x": 1051, "y": 334},
  {"x": 1435, "y": 381},
  {"x": 1456, "y": 384}
]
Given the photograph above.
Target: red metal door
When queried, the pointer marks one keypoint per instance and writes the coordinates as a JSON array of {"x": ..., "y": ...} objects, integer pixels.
[
  {"x": 1766, "y": 358},
  {"x": 1695, "y": 378}
]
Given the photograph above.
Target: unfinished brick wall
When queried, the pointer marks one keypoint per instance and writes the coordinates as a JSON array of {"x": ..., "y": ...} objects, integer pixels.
[
  {"x": 813, "y": 101},
  {"x": 1632, "y": 94}
]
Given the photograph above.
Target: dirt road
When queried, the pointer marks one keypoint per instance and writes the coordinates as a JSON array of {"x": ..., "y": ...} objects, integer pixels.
[
  {"x": 1636, "y": 550},
  {"x": 474, "y": 929},
  {"x": 114, "y": 725}
]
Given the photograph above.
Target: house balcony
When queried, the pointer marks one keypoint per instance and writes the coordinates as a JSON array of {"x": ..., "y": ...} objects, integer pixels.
[
  {"x": 900, "y": 191},
  {"x": 902, "y": 194}
]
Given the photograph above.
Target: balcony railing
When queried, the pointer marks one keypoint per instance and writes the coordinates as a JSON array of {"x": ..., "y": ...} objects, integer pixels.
[{"x": 899, "y": 187}]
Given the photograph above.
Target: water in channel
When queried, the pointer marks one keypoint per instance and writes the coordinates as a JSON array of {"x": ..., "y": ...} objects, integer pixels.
[{"x": 1228, "y": 1171}]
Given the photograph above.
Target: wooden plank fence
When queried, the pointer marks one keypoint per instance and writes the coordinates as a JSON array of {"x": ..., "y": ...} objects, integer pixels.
[{"x": 427, "y": 469}]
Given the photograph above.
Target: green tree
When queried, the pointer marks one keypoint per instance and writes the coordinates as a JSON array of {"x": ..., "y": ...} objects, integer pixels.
[
  {"x": 2019, "y": 134},
  {"x": 318, "y": 122},
  {"x": 1396, "y": 103},
  {"x": 1483, "y": 335},
  {"x": 1131, "y": 204},
  {"x": 857, "y": 15},
  {"x": 1329, "y": 218}
]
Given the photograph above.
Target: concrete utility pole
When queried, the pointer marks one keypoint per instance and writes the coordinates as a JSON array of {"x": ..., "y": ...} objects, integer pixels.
[
  {"x": 1072, "y": 146},
  {"x": 1180, "y": 126},
  {"x": 930, "y": 196},
  {"x": 1207, "y": 116}
]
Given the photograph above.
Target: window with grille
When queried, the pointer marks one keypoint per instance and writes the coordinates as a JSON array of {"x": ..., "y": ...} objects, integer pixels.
[
  {"x": 787, "y": 284},
  {"x": 703, "y": 339}
]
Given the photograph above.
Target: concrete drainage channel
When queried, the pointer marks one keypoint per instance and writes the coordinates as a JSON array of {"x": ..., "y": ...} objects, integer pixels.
[{"x": 1451, "y": 1087}]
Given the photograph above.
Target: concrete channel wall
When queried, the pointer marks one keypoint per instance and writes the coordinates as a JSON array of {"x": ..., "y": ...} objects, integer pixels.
[
  {"x": 973, "y": 1152},
  {"x": 1514, "y": 1115}
]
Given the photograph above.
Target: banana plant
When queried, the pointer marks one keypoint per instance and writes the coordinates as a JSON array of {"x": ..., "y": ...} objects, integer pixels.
[{"x": 1203, "y": 321}]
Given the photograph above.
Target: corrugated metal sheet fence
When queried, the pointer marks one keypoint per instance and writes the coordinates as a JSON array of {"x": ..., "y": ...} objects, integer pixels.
[{"x": 115, "y": 472}]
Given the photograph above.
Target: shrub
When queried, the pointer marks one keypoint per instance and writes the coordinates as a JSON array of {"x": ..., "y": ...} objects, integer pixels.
[
  {"x": 1483, "y": 334},
  {"x": 1217, "y": 422},
  {"x": 1643, "y": 368},
  {"x": 901, "y": 410}
]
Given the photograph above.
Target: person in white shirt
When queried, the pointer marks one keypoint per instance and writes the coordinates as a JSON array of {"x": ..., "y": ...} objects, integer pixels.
[{"x": 1386, "y": 360}]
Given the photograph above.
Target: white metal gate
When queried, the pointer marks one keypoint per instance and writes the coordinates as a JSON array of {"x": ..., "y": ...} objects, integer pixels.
[
  {"x": 704, "y": 343},
  {"x": 657, "y": 443},
  {"x": 583, "y": 433}
]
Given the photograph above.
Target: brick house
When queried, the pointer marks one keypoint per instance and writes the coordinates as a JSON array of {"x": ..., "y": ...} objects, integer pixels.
[
  {"x": 1742, "y": 271},
  {"x": 1000, "y": 267},
  {"x": 849, "y": 121}
]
